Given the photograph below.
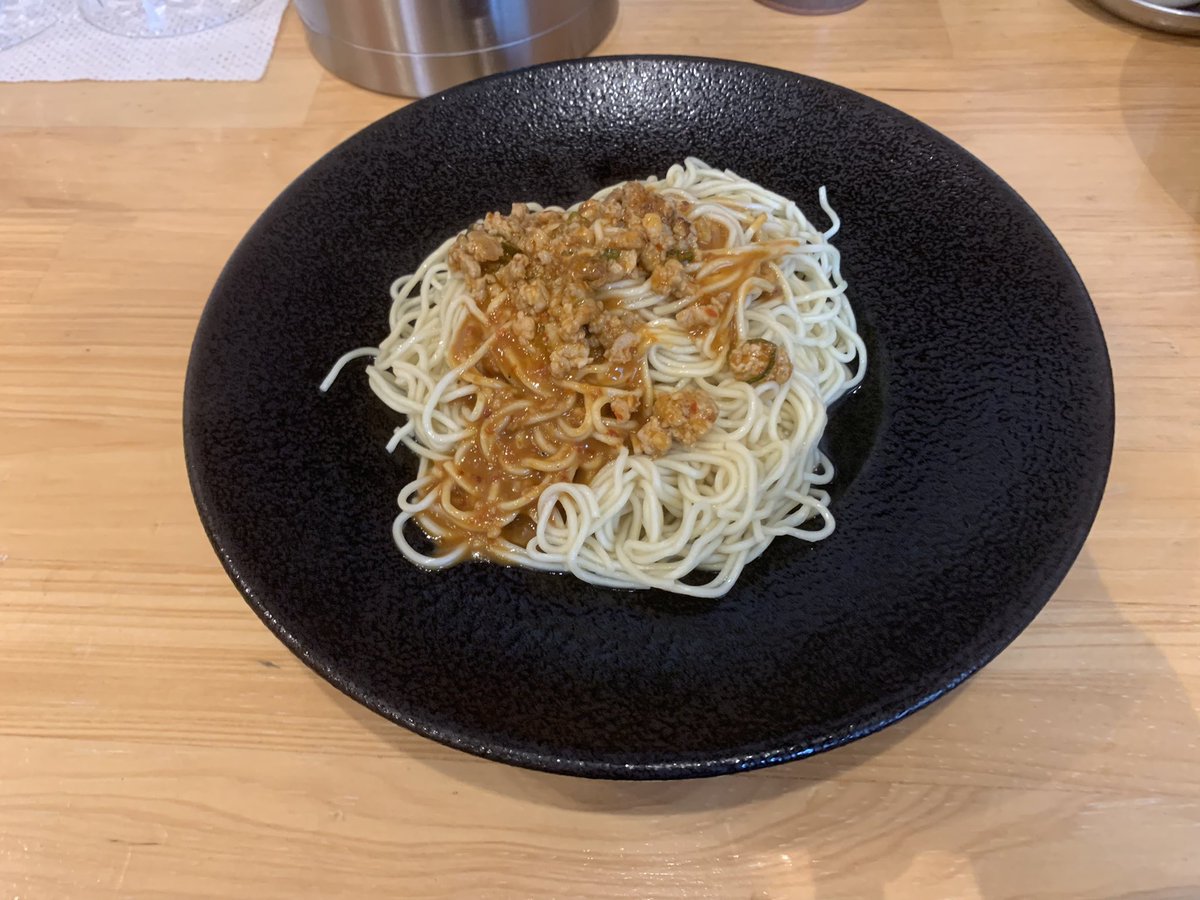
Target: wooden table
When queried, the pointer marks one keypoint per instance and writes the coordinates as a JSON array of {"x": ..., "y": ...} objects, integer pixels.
[{"x": 157, "y": 741}]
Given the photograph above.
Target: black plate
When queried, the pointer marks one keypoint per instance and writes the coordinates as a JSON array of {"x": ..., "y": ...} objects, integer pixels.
[{"x": 970, "y": 463}]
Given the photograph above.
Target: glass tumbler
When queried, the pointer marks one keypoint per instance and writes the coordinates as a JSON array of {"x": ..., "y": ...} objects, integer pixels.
[
  {"x": 161, "y": 18},
  {"x": 22, "y": 19}
]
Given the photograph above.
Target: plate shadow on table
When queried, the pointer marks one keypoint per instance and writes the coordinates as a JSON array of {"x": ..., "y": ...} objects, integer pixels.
[
  {"x": 1074, "y": 742},
  {"x": 1160, "y": 104}
]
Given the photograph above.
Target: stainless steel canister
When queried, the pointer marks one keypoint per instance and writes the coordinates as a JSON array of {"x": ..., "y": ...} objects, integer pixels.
[{"x": 418, "y": 47}]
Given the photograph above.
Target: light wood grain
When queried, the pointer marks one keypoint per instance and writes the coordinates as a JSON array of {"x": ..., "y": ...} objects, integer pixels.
[{"x": 157, "y": 741}]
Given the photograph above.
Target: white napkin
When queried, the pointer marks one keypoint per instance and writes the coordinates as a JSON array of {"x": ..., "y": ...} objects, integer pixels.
[{"x": 74, "y": 50}]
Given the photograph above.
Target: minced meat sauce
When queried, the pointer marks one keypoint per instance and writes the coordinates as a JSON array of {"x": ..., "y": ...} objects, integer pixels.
[{"x": 562, "y": 379}]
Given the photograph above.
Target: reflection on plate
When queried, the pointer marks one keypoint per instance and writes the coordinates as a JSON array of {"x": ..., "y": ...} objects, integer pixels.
[{"x": 969, "y": 464}]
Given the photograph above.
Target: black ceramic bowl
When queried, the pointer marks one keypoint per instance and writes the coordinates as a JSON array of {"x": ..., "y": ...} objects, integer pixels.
[{"x": 969, "y": 465}]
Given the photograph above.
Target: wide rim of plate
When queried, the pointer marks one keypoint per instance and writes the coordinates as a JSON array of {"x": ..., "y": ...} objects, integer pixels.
[{"x": 886, "y": 710}]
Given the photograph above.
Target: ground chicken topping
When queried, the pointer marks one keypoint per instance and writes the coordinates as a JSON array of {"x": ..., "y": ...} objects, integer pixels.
[
  {"x": 760, "y": 360},
  {"x": 684, "y": 416},
  {"x": 539, "y": 277},
  {"x": 623, "y": 408},
  {"x": 651, "y": 439},
  {"x": 611, "y": 326},
  {"x": 551, "y": 264},
  {"x": 700, "y": 317}
]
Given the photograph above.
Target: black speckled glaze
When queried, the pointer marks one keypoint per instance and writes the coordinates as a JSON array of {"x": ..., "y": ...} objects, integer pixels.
[{"x": 970, "y": 464}]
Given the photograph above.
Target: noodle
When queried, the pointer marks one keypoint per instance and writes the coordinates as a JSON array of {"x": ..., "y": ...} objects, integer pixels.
[{"x": 683, "y": 439}]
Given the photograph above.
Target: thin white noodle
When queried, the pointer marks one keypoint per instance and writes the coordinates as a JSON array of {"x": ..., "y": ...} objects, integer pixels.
[
  {"x": 349, "y": 356},
  {"x": 712, "y": 507}
]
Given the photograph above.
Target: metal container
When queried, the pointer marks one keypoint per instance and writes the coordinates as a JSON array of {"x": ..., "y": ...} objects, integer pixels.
[
  {"x": 419, "y": 47},
  {"x": 1159, "y": 16},
  {"x": 811, "y": 7}
]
